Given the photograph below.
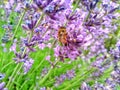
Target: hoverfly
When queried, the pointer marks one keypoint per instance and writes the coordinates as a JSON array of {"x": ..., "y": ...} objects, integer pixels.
[{"x": 62, "y": 35}]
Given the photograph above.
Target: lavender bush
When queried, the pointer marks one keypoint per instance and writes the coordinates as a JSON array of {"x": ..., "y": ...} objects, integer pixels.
[{"x": 60, "y": 45}]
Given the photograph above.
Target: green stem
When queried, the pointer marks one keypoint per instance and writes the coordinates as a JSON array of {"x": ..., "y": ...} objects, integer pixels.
[
  {"x": 77, "y": 81},
  {"x": 16, "y": 29},
  {"x": 19, "y": 23},
  {"x": 7, "y": 65},
  {"x": 87, "y": 16},
  {"x": 15, "y": 70},
  {"x": 48, "y": 74},
  {"x": 31, "y": 88},
  {"x": 43, "y": 80},
  {"x": 19, "y": 64},
  {"x": 39, "y": 20},
  {"x": 76, "y": 5},
  {"x": 38, "y": 65},
  {"x": 15, "y": 76},
  {"x": 46, "y": 77},
  {"x": 21, "y": 88}
]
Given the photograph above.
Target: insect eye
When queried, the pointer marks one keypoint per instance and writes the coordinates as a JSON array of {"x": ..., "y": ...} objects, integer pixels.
[{"x": 63, "y": 30}]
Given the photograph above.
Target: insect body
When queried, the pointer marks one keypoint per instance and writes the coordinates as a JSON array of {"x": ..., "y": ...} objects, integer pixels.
[{"x": 62, "y": 35}]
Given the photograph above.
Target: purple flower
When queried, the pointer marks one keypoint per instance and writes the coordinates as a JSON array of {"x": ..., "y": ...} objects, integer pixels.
[
  {"x": 2, "y": 76},
  {"x": 57, "y": 51},
  {"x": 2, "y": 85},
  {"x": 31, "y": 24},
  {"x": 5, "y": 89},
  {"x": 42, "y": 46},
  {"x": 18, "y": 7},
  {"x": 48, "y": 57},
  {"x": 87, "y": 35},
  {"x": 59, "y": 80},
  {"x": 84, "y": 86},
  {"x": 43, "y": 88},
  {"x": 110, "y": 83},
  {"x": 20, "y": 58},
  {"x": 13, "y": 47},
  {"x": 27, "y": 65},
  {"x": 70, "y": 74},
  {"x": 44, "y": 72},
  {"x": 99, "y": 86},
  {"x": 42, "y": 4}
]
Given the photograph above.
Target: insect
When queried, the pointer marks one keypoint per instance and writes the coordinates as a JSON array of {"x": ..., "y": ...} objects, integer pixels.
[{"x": 62, "y": 35}]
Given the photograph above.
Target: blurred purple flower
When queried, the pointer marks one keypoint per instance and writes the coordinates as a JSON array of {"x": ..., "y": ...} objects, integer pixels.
[
  {"x": 48, "y": 57},
  {"x": 13, "y": 47},
  {"x": 42, "y": 46},
  {"x": 84, "y": 86},
  {"x": 27, "y": 65},
  {"x": 2, "y": 76},
  {"x": 70, "y": 74},
  {"x": 2, "y": 85},
  {"x": 43, "y": 88},
  {"x": 44, "y": 72},
  {"x": 59, "y": 80},
  {"x": 99, "y": 86}
]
